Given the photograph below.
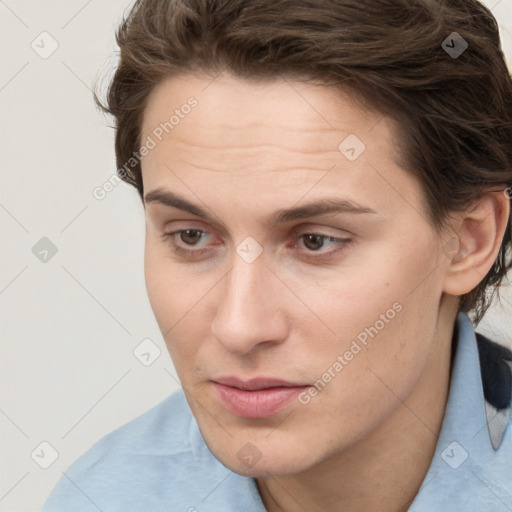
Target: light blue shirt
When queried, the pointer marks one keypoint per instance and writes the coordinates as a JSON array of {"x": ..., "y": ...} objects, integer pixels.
[{"x": 159, "y": 461}]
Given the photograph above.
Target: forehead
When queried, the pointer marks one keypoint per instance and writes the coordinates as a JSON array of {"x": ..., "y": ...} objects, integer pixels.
[
  {"x": 289, "y": 111},
  {"x": 264, "y": 138}
]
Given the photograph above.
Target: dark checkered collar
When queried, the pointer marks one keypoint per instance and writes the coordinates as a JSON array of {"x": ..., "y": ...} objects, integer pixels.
[{"x": 496, "y": 372}]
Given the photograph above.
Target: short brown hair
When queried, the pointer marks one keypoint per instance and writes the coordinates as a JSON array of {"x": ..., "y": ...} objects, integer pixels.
[{"x": 454, "y": 112}]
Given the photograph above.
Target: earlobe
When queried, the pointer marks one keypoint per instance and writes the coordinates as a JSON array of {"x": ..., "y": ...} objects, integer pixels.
[{"x": 475, "y": 242}]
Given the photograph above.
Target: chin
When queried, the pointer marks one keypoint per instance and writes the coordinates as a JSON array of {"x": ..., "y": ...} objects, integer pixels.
[
  {"x": 265, "y": 467},
  {"x": 261, "y": 458}
]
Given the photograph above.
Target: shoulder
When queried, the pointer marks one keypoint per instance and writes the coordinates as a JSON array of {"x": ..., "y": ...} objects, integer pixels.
[
  {"x": 143, "y": 434},
  {"x": 154, "y": 459},
  {"x": 142, "y": 437}
]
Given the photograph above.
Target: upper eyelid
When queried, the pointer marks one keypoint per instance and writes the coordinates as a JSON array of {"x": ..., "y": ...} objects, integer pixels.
[
  {"x": 174, "y": 234},
  {"x": 296, "y": 232},
  {"x": 342, "y": 234},
  {"x": 304, "y": 228}
]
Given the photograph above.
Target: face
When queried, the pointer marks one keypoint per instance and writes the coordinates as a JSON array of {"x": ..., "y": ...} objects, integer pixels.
[{"x": 291, "y": 269}]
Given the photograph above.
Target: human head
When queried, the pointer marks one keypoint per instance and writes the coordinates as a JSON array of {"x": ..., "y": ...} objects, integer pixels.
[{"x": 280, "y": 75}]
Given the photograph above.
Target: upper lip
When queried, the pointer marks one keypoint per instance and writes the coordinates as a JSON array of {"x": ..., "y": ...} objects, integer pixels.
[{"x": 256, "y": 383}]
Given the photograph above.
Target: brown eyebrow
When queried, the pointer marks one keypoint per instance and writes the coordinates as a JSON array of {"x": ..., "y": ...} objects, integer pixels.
[
  {"x": 161, "y": 196},
  {"x": 321, "y": 207}
]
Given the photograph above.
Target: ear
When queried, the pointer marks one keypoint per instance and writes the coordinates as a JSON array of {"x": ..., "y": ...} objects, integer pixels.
[{"x": 475, "y": 242}]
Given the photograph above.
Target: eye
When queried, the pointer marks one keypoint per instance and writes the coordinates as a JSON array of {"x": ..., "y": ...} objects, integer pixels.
[
  {"x": 319, "y": 245},
  {"x": 189, "y": 243},
  {"x": 314, "y": 242},
  {"x": 190, "y": 236}
]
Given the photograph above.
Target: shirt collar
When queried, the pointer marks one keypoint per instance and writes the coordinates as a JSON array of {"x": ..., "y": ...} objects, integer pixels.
[{"x": 467, "y": 472}]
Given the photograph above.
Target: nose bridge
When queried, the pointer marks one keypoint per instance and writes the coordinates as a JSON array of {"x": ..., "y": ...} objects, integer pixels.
[
  {"x": 247, "y": 311},
  {"x": 245, "y": 277}
]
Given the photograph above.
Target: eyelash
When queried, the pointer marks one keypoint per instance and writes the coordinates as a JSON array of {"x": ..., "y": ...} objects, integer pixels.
[{"x": 196, "y": 253}]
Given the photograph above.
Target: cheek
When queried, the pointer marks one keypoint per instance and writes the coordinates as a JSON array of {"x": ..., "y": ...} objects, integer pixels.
[
  {"x": 358, "y": 296},
  {"x": 384, "y": 319},
  {"x": 367, "y": 374},
  {"x": 171, "y": 292},
  {"x": 177, "y": 297}
]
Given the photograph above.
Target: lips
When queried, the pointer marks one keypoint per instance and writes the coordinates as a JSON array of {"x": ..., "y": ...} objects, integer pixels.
[{"x": 256, "y": 398}]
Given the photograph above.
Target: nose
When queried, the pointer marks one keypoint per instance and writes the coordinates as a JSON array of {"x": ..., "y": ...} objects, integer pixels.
[{"x": 249, "y": 312}]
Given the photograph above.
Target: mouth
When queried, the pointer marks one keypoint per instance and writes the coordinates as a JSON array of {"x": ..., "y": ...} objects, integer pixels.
[{"x": 256, "y": 398}]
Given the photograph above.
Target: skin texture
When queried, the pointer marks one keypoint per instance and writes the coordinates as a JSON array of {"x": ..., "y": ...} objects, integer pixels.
[{"x": 245, "y": 152}]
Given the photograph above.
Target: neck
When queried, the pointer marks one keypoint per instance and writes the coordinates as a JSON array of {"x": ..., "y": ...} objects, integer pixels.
[{"x": 385, "y": 470}]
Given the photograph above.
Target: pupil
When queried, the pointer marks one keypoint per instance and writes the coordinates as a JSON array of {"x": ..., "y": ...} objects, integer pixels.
[
  {"x": 191, "y": 236},
  {"x": 313, "y": 242}
]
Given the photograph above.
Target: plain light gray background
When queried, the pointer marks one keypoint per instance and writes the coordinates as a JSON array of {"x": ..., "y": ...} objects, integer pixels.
[{"x": 70, "y": 325}]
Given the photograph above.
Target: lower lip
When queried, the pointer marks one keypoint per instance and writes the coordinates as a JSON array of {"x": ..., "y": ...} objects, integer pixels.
[{"x": 256, "y": 404}]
